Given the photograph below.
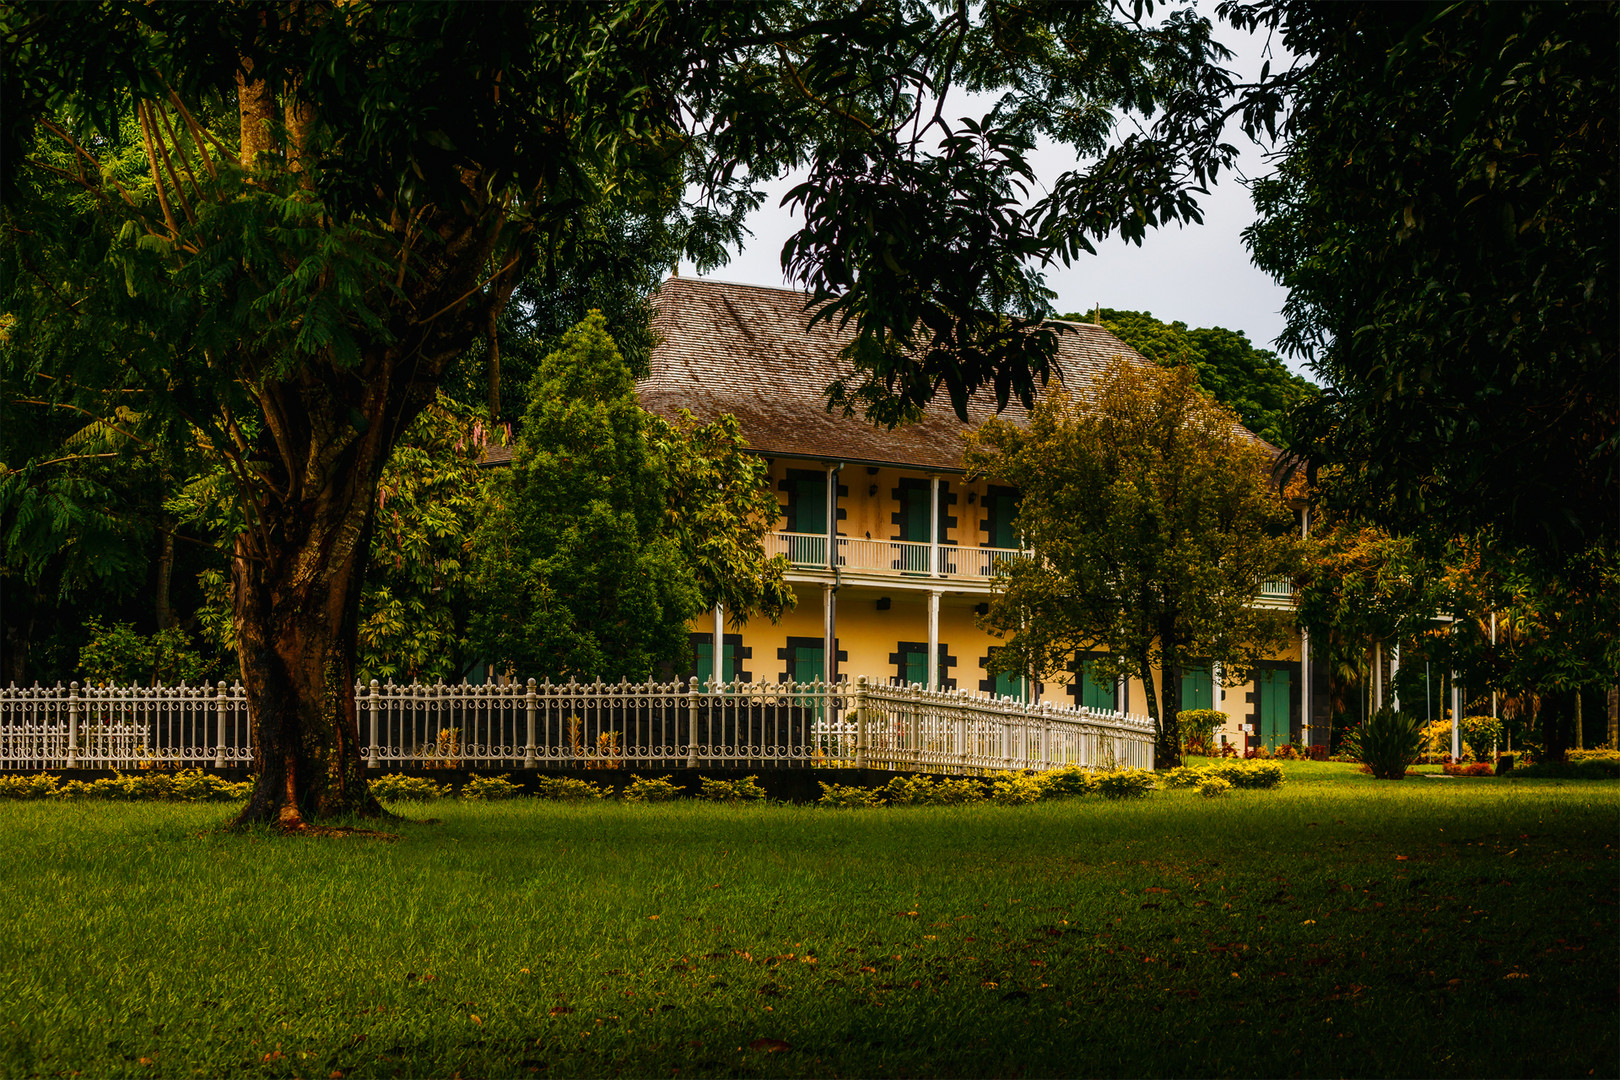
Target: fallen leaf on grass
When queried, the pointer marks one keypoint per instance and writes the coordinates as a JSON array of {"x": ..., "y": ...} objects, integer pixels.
[
  {"x": 1155, "y": 889},
  {"x": 1515, "y": 975},
  {"x": 560, "y": 1010},
  {"x": 770, "y": 1046}
]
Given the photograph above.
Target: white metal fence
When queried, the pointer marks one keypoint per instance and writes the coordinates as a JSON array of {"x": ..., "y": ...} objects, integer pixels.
[{"x": 595, "y": 725}]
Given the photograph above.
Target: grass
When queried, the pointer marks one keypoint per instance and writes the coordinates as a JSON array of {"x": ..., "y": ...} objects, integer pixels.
[{"x": 1337, "y": 925}]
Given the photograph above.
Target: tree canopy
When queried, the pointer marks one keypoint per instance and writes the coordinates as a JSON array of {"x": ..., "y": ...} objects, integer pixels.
[
  {"x": 1152, "y": 522},
  {"x": 1442, "y": 214},
  {"x": 1254, "y": 383}
]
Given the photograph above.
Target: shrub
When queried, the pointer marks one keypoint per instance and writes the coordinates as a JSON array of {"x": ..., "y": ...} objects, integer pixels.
[
  {"x": 1472, "y": 768},
  {"x": 955, "y": 791},
  {"x": 849, "y": 796},
  {"x": 40, "y": 786},
  {"x": 1184, "y": 776},
  {"x": 1015, "y": 789},
  {"x": 731, "y": 790},
  {"x": 490, "y": 788},
  {"x": 1248, "y": 774},
  {"x": 1197, "y": 727},
  {"x": 1287, "y": 752},
  {"x": 908, "y": 790},
  {"x": 1258, "y": 752},
  {"x": 1213, "y": 787},
  {"x": 1126, "y": 783},
  {"x": 646, "y": 789},
  {"x": 1069, "y": 782},
  {"x": 189, "y": 785},
  {"x": 1481, "y": 735},
  {"x": 1436, "y": 742},
  {"x": 570, "y": 789},
  {"x": 1390, "y": 742},
  {"x": 1576, "y": 769},
  {"x": 397, "y": 787}
]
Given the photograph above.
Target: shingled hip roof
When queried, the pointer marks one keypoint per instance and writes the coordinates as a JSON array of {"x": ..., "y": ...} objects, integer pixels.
[{"x": 748, "y": 350}]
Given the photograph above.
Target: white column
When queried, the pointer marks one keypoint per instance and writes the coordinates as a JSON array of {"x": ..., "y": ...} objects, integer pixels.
[
  {"x": 1493, "y": 652},
  {"x": 933, "y": 526},
  {"x": 829, "y": 632},
  {"x": 719, "y": 643},
  {"x": 1394, "y": 670},
  {"x": 1377, "y": 676},
  {"x": 1456, "y": 718},
  {"x": 933, "y": 639},
  {"x": 1305, "y": 686}
]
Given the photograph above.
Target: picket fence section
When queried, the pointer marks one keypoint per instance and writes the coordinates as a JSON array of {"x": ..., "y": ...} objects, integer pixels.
[{"x": 544, "y": 725}]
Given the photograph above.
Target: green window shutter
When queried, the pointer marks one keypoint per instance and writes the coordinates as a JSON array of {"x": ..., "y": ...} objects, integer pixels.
[
  {"x": 703, "y": 660},
  {"x": 1010, "y": 684},
  {"x": 916, "y": 667},
  {"x": 914, "y": 525},
  {"x": 1196, "y": 688},
  {"x": 807, "y": 663},
  {"x": 729, "y": 664},
  {"x": 1003, "y": 508},
  {"x": 808, "y": 507},
  {"x": 1097, "y": 691},
  {"x": 1276, "y": 688}
]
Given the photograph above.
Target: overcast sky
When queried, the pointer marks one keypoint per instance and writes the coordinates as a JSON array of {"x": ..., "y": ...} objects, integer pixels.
[{"x": 1199, "y": 274}]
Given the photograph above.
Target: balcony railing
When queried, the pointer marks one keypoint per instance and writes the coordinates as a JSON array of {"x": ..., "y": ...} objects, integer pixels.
[
  {"x": 1281, "y": 589},
  {"x": 907, "y": 558}
]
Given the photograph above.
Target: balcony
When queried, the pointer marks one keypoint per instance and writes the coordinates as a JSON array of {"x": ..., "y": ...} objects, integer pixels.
[{"x": 892, "y": 558}]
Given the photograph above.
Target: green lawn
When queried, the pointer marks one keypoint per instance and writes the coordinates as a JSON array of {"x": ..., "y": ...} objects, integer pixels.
[{"x": 1335, "y": 926}]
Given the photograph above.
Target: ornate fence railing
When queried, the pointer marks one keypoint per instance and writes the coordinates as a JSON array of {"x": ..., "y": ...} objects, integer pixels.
[{"x": 544, "y": 725}]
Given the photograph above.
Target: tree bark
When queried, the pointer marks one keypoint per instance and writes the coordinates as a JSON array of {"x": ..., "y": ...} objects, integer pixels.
[
  {"x": 163, "y": 611},
  {"x": 1553, "y": 707},
  {"x": 1167, "y": 754},
  {"x": 296, "y": 611}
]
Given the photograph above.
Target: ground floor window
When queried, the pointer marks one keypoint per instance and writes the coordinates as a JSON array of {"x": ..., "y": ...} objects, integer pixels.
[
  {"x": 732, "y": 655},
  {"x": 1092, "y": 689},
  {"x": 1007, "y": 684},
  {"x": 910, "y": 660}
]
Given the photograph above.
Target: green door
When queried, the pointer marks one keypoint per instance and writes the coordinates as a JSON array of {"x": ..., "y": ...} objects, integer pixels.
[
  {"x": 916, "y": 667},
  {"x": 1196, "y": 689},
  {"x": 1276, "y": 690}
]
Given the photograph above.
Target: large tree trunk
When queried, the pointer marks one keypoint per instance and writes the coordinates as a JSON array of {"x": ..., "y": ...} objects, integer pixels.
[
  {"x": 296, "y": 612},
  {"x": 1167, "y": 752}
]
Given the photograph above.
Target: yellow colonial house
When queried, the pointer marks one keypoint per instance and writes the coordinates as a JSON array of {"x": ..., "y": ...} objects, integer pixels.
[{"x": 893, "y": 551}]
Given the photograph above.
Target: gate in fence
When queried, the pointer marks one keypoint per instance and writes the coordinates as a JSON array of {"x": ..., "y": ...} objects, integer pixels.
[{"x": 548, "y": 725}]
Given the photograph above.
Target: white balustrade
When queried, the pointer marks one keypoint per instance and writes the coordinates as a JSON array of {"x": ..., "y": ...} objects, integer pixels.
[
  {"x": 808, "y": 551},
  {"x": 590, "y": 725}
]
